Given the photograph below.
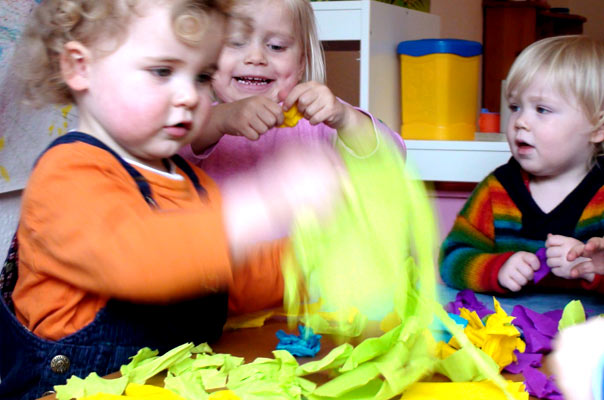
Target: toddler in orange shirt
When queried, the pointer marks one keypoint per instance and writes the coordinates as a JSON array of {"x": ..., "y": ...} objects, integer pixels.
[{"x": 121, "y": 243}]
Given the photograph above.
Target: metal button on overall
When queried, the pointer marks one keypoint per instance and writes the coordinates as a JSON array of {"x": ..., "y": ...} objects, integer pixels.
[{"x": 59, "y": 364}]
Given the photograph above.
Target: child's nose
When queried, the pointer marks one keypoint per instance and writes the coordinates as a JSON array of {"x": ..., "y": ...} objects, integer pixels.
[
  {"x": 255, "y": 55},
  {"x": 521, "y": 122},
  {"x": 186, "y": 96}
]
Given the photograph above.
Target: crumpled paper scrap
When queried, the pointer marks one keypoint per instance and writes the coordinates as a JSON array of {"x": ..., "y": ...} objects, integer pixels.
[
  {"x": 269, "y": 378},
  {"x": 539, "y": 385},
  {"x": 137, "y": 392},
  {"x": 463, "y": 391},
  {"x": 224, "y": 395},
  {"x": 249, "y": 320},
  {"x": 77, "y": 387},
  {"x": 467, "y": 299},
  {"x": 544, "y": 269},
  {"x": 538, "y": 329},
  {"x": 291, "y": 117},
  {"x": 460, "y": 365},
  {"x": 573, "y": 313},
  {"x": 145, "y": 365},
  {"x": 305, "y": 344},
  {"x": 440, "y": 331},
  {"x": 498, "y": 338},
  {"x": 524, "y": 361},
  {"x": 330, "y": 323}
]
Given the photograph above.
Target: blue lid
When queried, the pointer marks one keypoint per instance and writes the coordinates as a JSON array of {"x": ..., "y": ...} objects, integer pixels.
[{"x": 422, "y": 47}]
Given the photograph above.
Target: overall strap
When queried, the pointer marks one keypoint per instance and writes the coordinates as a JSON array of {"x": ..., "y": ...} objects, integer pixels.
[
  {"x": 186, "y": 168},
  {"x": 74, "y": 136}
]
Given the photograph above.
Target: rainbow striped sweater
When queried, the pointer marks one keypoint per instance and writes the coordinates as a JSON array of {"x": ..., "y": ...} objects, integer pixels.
[{"x": 501, "y": 218}]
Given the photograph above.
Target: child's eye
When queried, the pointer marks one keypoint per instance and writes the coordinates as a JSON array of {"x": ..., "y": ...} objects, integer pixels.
[
  {"x": 236, "y": 41},
  {"x": 204, "y": 78},
  {"x": 542, "y": 110},
  {"x": 161, "y": 72},
  {"x": 513, "y": 107},
  {"x": 276, "y": 47}
]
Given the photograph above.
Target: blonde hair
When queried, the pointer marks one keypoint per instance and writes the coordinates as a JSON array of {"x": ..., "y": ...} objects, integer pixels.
[
  {"x": 306, "y": 28},
  {"x": 572, "y": 64},
  {"x": 55, "y": 22}
]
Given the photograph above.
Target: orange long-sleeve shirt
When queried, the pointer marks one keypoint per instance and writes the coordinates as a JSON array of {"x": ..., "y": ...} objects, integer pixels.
[{"x": 86, "y": 235}]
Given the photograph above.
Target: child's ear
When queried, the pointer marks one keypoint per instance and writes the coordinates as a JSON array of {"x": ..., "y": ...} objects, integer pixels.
[
  {"x": 598, "y": 135},
  {"x": 74, "y": 63}
]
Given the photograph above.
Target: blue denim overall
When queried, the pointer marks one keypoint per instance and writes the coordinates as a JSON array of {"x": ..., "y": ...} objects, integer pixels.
[{"x": 30, "y": 366}]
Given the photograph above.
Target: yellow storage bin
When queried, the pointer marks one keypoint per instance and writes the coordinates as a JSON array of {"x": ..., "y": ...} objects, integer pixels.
[{"x": 439, "y": 88}]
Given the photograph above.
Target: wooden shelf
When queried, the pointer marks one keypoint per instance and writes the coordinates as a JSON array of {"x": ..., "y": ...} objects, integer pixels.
[{"x": 509, "y": 27}]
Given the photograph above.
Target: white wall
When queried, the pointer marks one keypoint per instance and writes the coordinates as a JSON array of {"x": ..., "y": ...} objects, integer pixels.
[
  {"x": 459, "y": 19},
  {"x": 462, "y": 19},
  {"x": 593, "y": 10}
]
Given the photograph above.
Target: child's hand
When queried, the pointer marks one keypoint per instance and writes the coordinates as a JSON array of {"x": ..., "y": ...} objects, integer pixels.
[
  {"x": 319, "y": 105},
  {"x": 574, "y": 361},
  {"x": 292, "y": 184},
  {"x": 593, "y": 249},
  {"x": 249, "y": 117},
  {"x": 518, "y": 270},
  {"x": 558, "y": 248},
  {"x": 261, "y": 204}
]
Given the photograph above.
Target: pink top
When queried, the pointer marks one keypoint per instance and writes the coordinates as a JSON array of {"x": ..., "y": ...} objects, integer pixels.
[{"x": 234, "y": 154}]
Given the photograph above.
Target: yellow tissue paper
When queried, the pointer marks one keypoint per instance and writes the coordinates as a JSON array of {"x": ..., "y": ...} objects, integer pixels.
[
  {"x": 498, "y": 339},
  {"x": 224, "y": 395},
  {"x": 251, "y": 320},
  {"x": 135, "y": 391},
  {"x": 292, "y": 116},
  {"x": 463, "y": 391}
]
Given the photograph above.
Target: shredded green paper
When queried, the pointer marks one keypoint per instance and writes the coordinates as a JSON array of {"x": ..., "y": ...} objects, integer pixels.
[{"x": 573, "y": 313}]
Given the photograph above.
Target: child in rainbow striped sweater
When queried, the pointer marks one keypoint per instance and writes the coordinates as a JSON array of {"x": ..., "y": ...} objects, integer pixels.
[{"x": 551, "y": 192}]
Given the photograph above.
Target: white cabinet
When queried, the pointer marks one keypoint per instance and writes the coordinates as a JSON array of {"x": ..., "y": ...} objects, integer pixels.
[
  {"x": 380, "y": 27},
  {"x": 456, "y": 160}
]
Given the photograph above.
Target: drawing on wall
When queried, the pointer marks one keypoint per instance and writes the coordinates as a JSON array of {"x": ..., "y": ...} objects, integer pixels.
[{"x": 24, "y": 132}]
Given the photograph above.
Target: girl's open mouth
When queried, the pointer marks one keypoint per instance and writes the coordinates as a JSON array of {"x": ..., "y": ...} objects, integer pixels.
[{"x": 252, "y": 80}]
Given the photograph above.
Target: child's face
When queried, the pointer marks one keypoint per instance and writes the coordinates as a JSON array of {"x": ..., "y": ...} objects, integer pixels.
[
  {"x": 149, "y": 97},
  {"x": 264, "y": 58},
  {"x": 548, "y": 133}
]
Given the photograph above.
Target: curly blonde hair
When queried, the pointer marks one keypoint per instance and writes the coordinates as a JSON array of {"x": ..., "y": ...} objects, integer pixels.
[{"x": 55, "y": 22}]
